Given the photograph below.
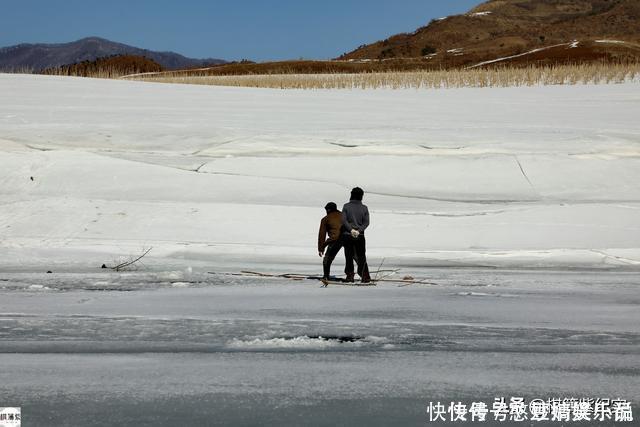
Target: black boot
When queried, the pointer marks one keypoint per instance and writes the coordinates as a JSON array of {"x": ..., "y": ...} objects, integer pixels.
[{"x": 364, "y": 275}]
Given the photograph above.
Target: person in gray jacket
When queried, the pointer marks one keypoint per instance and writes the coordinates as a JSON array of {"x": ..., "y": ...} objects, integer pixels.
[{"x": 355, "y": 220}]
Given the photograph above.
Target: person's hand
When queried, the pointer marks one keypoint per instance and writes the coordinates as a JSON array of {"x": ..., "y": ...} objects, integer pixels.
[
  {"x": 320, "y": 254},
  {"x": 355, "y": 233}
]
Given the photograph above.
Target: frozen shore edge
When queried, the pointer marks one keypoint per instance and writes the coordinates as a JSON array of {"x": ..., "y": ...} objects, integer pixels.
[{"x": 238, "y": 258}]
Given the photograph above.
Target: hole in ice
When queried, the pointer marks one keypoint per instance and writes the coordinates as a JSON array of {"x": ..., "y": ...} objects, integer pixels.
[
  {"x": 344, "y": 145},
  {"x": 338, "y": 338},
  {"x": 304, "y": 342}
]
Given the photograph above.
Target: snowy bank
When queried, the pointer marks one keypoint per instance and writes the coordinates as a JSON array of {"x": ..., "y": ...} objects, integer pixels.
[{"x": 507, "y": 177}]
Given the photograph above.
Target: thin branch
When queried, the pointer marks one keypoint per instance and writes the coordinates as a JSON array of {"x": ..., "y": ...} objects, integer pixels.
[
  {"x": 131, "y": 262},
  {"x": 378, "y": 271}
]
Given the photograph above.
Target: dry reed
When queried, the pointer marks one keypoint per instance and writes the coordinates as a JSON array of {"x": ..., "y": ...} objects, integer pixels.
[
  {"x": 594, "y": 73},
  {"x": 103, "y": 73},
  {"x": 17, "y": 70}
]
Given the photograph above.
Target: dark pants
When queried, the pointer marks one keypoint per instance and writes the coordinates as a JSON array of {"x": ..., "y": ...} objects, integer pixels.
[
  {"x": 332, "y": 250},
  {"x": 356, "y": 249}
]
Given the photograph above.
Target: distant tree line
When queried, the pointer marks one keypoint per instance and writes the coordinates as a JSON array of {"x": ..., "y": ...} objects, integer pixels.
[{"x": 107, "y": 67}]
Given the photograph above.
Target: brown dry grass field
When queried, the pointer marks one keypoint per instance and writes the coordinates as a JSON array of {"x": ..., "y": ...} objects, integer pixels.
[
  {"x": 568, "y": 53},
  {"x": 505, "y": 76}
]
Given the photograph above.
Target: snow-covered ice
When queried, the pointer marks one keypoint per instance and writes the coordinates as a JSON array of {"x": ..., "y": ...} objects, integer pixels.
[{"x": 92, "y": 170}]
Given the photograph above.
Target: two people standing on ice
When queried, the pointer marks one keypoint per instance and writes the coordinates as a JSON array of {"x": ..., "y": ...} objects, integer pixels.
[{"x": 345, "y": 229}]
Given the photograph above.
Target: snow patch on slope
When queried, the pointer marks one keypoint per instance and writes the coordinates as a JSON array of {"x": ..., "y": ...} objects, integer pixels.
[
  {"x": 480, "y": 13},
  {"x": 493, "y": 61}
]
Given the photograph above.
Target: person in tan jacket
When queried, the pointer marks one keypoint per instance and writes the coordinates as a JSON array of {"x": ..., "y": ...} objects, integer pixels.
[{"x": 331, "y": 225}]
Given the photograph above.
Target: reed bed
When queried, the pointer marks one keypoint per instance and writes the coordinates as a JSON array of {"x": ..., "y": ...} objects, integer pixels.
[
  {"x": 17, "y": 70},
  {"x": 594, "y": 73},
  {"x": 96, "y": 73},
  {"x": 103, "y": 73}
]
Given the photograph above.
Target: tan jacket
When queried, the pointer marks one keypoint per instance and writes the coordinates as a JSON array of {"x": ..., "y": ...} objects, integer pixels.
[{"x": 330, "y": 225}]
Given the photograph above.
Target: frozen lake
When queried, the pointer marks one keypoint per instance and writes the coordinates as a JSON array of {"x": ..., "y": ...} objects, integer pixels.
[
  {"x": 192, "y": 348},
  {"x": 520, "y": 204}
]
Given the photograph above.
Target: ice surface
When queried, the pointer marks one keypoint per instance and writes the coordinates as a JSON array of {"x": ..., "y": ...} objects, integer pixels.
[
  {"x": 102, "y": 349},
  {"x": 95, "y": 170}
]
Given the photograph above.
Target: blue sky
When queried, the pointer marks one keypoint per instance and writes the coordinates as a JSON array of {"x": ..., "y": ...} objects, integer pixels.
[{"x": 227, "y": 29}]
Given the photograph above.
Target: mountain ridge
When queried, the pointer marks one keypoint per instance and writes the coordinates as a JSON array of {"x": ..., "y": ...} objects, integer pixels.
[{"x": 40, "y": 56}]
